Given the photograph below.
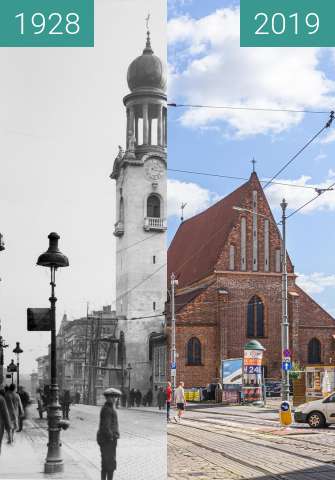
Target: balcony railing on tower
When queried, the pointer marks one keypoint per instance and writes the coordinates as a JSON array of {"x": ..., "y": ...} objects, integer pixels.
[{"x": 154, "y": 223}]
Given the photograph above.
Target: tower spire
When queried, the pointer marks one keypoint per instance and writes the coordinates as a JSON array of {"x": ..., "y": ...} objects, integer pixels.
[
  {"x": 253, "y": 161},
  {"x": 148, "y": 49}
]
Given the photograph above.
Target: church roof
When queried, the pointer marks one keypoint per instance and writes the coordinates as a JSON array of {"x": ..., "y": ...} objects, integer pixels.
[{"x": 199, "y": 240}]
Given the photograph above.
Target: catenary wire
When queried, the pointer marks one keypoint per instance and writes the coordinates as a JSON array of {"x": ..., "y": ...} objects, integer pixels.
[
  {"x": 251, "y": 109},
  {"x": 320, "y": 192},
  {"x": 208, "y": 174},
  {"x": 327, "y": 125}
]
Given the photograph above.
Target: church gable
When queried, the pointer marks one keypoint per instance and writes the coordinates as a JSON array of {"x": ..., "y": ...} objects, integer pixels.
[{"x": 254, "y": 242}]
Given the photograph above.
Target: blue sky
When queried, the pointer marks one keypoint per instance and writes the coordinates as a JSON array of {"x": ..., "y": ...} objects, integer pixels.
[{"x": 208, "y": 67}]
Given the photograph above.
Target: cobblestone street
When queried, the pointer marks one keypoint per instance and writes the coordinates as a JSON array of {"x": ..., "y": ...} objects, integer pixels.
[
  {"x": 247, "y": 443},
  {"x": 141, "y": 448}
]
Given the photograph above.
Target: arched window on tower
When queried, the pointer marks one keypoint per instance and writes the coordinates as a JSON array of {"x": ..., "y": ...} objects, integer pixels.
[
  {"x": 314, "y": 351},
  {"x": 255, "y": 317},
  {"x": 121, "y": 212},
  {"x": 153, "y": 206},
  {"x": 194, "y": 351}
]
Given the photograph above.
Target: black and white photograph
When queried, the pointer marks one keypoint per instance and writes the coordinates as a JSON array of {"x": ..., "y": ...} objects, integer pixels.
[{"x": 83, "y": 354}]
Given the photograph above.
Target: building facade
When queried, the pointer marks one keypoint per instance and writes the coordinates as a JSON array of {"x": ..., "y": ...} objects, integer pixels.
[
  {"x": 230, "y": 291},
  {"x": 140, "y": 179}
]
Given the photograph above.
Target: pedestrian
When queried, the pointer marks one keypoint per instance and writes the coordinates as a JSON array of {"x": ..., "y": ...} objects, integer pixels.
[
  {"x": 161, "y": 398},
  {"x": 108, "y": 434},
  {"x": 66, "y": 400},
  {"x": 14, "y": 407},
  {"x": 179, "y": 397},
  {"x": 138, "y": 398},
  {"x": 25, "y": 401},
  {"x": 168, "y": 392},
  {"x": 5, "y": 421},
  {"x": 149, "y": 397},
  {"x": 77, "y": 397}
]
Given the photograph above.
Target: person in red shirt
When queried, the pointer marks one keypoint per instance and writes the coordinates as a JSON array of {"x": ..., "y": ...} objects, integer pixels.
[{"x": 168, "y": 400}]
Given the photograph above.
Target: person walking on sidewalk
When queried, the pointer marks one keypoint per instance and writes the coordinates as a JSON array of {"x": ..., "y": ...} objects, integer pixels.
[
  {"x": 179, "y": 397},
  {"x": 161, "y": 398},
  {"x": 168, "y": 401},
  {"x": 5, "y": 422},
  {"x": 25, "y": 401},
  {"x": 108, "y": 434}
]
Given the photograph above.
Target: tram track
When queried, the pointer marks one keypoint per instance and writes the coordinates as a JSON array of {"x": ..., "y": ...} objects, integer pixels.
[{"x": 237, "y": 450}]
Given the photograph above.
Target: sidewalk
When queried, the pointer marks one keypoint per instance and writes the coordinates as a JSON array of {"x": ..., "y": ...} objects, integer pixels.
[{"x": 25, "y": 458}]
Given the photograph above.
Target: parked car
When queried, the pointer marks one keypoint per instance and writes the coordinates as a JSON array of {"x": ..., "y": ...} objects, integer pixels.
[{"x": 318, "y": 413}]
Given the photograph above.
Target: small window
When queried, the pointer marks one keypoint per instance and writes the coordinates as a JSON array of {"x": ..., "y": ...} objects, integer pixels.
[
  {"x": 154, "y": 259},
  {"x": 154, "y": 306},
  {"x": 194, "y": 351},
  {"x": 153, "y": 206}
]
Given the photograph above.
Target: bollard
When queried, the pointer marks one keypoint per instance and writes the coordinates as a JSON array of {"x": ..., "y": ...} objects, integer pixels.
[{"x": 285, "y": 414}]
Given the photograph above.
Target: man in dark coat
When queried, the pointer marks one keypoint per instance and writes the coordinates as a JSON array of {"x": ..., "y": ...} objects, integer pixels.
[
  {"x": 25, "y": 400},
  {"x": 5, "y": 421},
  {"x": 108, "y": 434}
]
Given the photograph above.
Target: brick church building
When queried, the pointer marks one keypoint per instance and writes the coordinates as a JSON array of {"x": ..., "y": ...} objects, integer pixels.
[{"x": 228, "y": 266}]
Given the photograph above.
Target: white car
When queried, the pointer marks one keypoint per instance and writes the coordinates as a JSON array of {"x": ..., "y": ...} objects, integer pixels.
[{"x": 318, "y": 413}]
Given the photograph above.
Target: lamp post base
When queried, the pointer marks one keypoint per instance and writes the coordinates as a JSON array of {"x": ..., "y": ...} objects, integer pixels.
[{"x": 53, "y": 467}]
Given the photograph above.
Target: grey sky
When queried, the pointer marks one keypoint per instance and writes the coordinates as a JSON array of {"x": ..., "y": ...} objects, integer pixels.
[{"x": 61, "y": 120}]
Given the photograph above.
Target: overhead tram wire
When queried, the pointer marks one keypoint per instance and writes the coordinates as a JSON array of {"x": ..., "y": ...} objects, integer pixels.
[
  {"x": 208, "y": 174},
  {"x": 319, "y": 193},
  {"x": 251, "y": 109},
  {"x": 327, "y": 125}
]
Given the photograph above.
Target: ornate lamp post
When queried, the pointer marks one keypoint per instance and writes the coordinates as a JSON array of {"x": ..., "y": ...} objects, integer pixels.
[
  {"x": 17, "y": 350},
  {"x": 53, "y": 259}
]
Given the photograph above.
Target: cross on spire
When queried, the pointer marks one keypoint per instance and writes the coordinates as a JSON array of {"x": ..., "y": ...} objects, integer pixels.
[
  {"x": 253, "y": 161},
  {"x": 147, "y": 21}
]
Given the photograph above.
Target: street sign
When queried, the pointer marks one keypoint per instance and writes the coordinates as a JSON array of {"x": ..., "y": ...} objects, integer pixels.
[
  {"x": 287, "y": 353},
  {"x": 286, "y": 366},
  {"x": 8, "y": 375},
  {"x": 38, "y": 319},
  {"x": 173, "y": 372},
  {"x": 173, "y": 365}
]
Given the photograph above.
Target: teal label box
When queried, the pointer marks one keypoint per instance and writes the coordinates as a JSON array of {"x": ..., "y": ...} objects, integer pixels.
[
  {"x": 287, "y": 23},
  {"x": 46, "y": 23}
]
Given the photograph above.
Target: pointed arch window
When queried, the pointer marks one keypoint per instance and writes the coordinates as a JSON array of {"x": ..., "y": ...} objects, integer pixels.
[
  {"x": 194, "y": 351},
  {"x": 314, "y": 351},
  {"x": 121, "y": 212},
  {"x": 153, "y": 206},
  {"x": 255, "y": 317}
]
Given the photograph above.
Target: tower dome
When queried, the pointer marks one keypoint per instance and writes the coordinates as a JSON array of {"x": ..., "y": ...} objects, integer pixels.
[{"x": 147, "y": 71}]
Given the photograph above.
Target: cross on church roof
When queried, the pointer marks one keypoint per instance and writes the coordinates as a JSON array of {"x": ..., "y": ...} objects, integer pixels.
[
  {"x": 253, "y": 161},
  {"x": 147, "y": 21}
]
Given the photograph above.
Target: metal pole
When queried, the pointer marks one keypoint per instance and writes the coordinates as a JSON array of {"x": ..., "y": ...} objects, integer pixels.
[
  {"x": 174, "y": 282},
  {"x": 17, "y": 373},
  {"x": 54, "y": 462},
  {"x": 285, "y": 324},
  {"x": 85, "y": 399}
]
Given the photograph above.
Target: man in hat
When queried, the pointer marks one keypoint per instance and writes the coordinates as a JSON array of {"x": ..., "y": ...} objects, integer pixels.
[{"x": 108, "y": 434}]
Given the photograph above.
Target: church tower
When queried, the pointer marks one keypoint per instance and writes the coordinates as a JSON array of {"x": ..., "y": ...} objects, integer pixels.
[{"x": 140, "y": 228}]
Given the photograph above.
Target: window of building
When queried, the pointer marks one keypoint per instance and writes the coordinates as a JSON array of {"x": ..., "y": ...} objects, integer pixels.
[
  {"x": 77, "y": 370},
  {"x": 314, "y": 351},
  {"x": 231, "y": 257},
  {"x": 154, "y": 306},
  {"x": 154, "y": 259},
  {"x": 255, "y": 318},
  {"x": 153, "y": 206},
  {"x": 194, "y": 351}
]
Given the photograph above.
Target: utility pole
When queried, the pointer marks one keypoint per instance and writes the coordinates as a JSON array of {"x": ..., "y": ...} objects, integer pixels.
[
  {"x": 285, "y": 324},
  {"x": 174, "y": 283}
]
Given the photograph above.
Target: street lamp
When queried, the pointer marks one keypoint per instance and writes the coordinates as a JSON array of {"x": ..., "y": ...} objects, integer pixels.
[
  {"x": 129, "y": 369},
  {"x": 53, "y": 259},
  {"x": 17, "y": 350},
  {"x": 285, "y": 324}
]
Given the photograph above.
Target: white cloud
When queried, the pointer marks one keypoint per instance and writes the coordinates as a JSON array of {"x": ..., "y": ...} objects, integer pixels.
[
  {"x": 296, "y": 197},
  {"x": 210, "y": 68},
  {"x": 330, "y": 138},
  {"x": 196, "y": 197},
  {"x": 315, "y": 282}
]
